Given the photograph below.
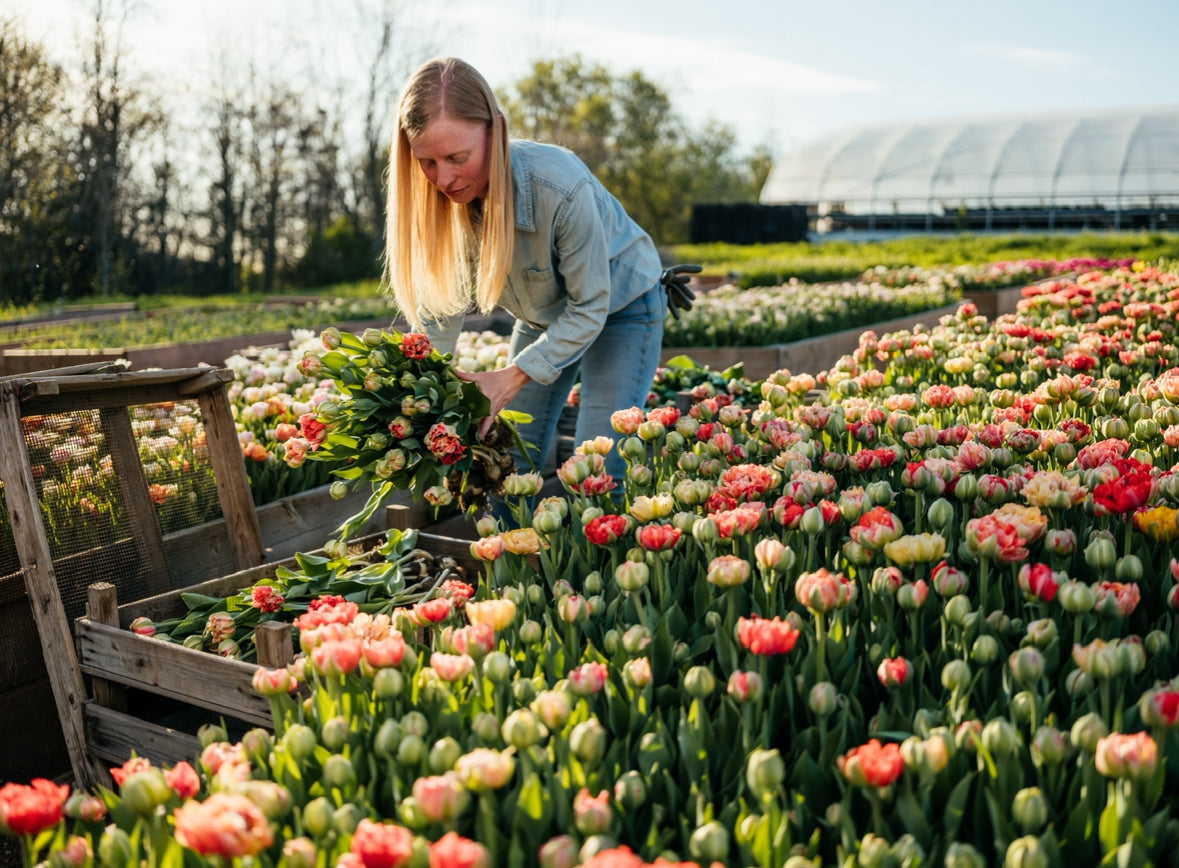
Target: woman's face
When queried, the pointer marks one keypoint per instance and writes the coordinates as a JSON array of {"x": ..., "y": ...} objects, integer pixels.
[{"x": 454, "y": 154}]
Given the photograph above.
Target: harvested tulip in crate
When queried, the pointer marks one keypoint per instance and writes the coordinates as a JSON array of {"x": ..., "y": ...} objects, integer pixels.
[{"x": 164, "y": 666}]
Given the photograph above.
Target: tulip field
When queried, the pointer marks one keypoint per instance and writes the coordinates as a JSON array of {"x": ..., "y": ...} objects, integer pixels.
[{"x": 919, "y": 609}]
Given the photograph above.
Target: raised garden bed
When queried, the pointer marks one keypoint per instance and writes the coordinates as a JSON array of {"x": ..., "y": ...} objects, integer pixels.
[{"x": 811, "y": 356}]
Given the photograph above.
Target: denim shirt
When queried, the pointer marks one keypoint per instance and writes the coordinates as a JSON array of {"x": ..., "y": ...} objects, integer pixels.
[{"x": 577, "y": 258}]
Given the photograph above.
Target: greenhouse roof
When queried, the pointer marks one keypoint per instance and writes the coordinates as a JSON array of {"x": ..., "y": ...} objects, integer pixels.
[{"x": 1114, "y": 159}]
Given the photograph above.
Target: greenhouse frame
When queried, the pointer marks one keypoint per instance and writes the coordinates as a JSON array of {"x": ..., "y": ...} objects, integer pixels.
[{"x": 1114, "y": 169}]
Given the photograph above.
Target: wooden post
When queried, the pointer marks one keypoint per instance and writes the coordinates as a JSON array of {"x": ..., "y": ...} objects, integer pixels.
[
  {"x": 36, "y": 560},
  {"x": 275, "y": 646},
  {"x": 233, "y": 487},
  {"x": 102, "y": 606}
]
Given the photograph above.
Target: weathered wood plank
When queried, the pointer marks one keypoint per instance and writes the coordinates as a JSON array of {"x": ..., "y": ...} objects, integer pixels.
[
  {"x": 276, "y": 647},
  {"x": 198, "y": 678},
  {"x": 114, "y": 736},
  {"x": 233, "y": 486},
  {"x": 129, "y": 380},
  {"x": 136, "y": 497},
  {"x": 102, "y": 607},
  {"x": 53, "y": 627}
]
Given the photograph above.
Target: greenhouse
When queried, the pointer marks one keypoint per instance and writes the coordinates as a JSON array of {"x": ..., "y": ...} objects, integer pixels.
[{"x": 1116, "y": 169}]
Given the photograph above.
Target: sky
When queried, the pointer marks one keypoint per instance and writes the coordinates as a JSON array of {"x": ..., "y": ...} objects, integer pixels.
[{"x": 779, "y": 72}]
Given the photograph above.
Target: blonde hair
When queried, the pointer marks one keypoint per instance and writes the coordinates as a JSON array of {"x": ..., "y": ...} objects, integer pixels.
[{"x": 432, "y": 263}]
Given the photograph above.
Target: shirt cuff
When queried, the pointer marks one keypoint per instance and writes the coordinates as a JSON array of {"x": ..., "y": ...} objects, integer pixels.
[{"x": 536, "y": 366}]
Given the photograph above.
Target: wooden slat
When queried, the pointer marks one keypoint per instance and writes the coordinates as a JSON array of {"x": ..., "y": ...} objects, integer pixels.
[
  {"x": 233, "y": 486},
  {"x": 75, "y": 402},
  {"x": 136, "y": 497},
  {"x": 53, "y": 627},
  {"x": 212, "y": 378},
  {"x": 218, "y": 684},
  {"x": 125, "y": 379},
  {"x": 72, "y": 370},
  {"x": 114, "y": 736},
  {"x": 102, "y": 606}
]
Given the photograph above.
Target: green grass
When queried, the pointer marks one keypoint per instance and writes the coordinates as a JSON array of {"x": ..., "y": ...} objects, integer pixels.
[{"x": 841, "y": 259}]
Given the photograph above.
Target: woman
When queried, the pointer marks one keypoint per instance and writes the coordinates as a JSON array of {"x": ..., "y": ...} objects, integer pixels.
[{"x": 476, "y": 218}]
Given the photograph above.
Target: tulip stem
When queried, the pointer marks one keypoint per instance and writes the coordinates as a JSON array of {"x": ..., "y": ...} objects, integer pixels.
[
  {"x": 821, "y": 642},
  {"x": 984, "y": 585}
]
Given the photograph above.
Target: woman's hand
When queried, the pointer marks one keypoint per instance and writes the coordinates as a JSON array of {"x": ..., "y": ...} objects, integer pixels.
[{"x": 500, "y": 387}]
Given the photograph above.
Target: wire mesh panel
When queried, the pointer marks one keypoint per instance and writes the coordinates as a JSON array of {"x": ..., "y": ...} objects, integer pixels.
[{"x": 115, "y": 470}]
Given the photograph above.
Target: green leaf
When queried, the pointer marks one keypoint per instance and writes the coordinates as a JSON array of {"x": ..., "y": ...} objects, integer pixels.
[
  {"x": 956, "y": 806},
  {"x": 201, "y": 601},
  {"x": 1109, "y": 830}
]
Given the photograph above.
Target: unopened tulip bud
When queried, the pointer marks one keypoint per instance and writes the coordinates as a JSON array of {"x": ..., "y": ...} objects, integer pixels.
[
  {"x": 631, "y": 576},
  {"x": 764, "y": 773},
  {"x": 957, "y": 609},
  {"x": 1026, "y": 852},
  {"x": 1023, "y": 706},
  {"x": 588, "y": 741},
  {"x": 913, "y": 595},
  {"x": 114, "y": 847},
  {"x": 1087, "y": 731},
  {"x": 1060, "y": 542},
  {"x": 940, "y": 513},
  {"x": 146, "y": 790},
  {"x": 521, "y": 729},
  {"x": 710, "y": 843},
  {"x": 630, "y": 790},
  {"x": 874, "y": 852},
  {"x": 1049, "y": 746},
  {"x": 1156, "y": 642},
  {"x": 960, "y": 855},
  {"x": 745, "y": 686},
  {"x": 699, "y": 682},
  {"x": 317, "y": 817},
  {"x": 1042, "y": 632},
  {"x": 956, "y": 675},
  {"x": 1076, "y": 597},
  {"x": 559, "y": 852},
  {"x": 907, "y": 851},
  {"x": 1101, "y": 553},
  {"x": 823, "y": 699},
  {"x": 497, "y": 667},
  {"x": 1128, "y": 569},
  {"x": 1000, "y": 737},
  {"x": 999, "y": 622},
  {"x": 1030, "y": 809},
  {"x": 485, "y": 727},
  {"x": 1027, "y": 665},
  {"x": 985, "y": 650},
  {"x": 636, "y": 640},
  {"x": 339, "y": 773}
]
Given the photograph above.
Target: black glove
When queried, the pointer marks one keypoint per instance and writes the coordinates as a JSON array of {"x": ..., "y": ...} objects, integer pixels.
[{"x": 675, "y": 280}]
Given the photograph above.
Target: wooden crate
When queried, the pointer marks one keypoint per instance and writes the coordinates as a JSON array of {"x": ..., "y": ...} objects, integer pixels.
[
  {"x": 197, "y": 685},
  {"x": 32, "y": 586}
]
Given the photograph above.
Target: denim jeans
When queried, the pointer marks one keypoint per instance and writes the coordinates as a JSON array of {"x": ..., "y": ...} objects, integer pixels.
[{"x": 617, "y": 370}]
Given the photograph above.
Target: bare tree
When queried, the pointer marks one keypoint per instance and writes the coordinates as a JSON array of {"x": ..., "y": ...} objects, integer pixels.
[
  {"x": 269, "y": 217},
  {"x": 33, "y": 190},
  {"x": 223, "y": 217},
  {"x": 113, "y": 119}
]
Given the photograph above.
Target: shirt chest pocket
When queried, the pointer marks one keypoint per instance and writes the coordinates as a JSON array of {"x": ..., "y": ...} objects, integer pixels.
[{"x": 543, "y": 297}]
